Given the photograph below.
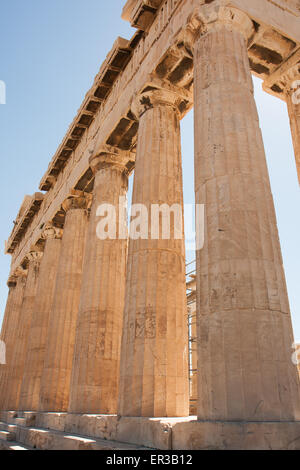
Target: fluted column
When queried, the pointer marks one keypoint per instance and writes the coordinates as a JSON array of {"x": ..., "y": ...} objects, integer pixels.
[
  {"x": 245, "y": 371},
  {"x": 8, "y": 316},
  {"x": 35, "y": 354},
  {"x": 154, "y": 353},
  {"x": 55, "y": 382},
  {"x": 11, "y": 283},
  {"x": 94, "y": 386},
  {"x": 11, "y": 335},
  {"x": 22, "y": 330}
]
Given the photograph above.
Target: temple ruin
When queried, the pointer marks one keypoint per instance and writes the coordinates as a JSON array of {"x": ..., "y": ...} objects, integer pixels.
[{"x": 99, "y": 335}]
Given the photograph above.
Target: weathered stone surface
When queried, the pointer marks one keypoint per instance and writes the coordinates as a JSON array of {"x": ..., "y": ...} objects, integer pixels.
[
  {"x": 277, "y": 36},
  {"x": 35, "y": 436},
  {"x": 154, "y": 363},
  {"x": 23, "y": 329},
  {"x": 244, "y": 324},
  {"x": 10, "y": 337},
  {"x": 95, "y": 376},
  {"x": 49, "y": 431},
  {"x": 56, "y": 374},
  {"x": 6, "y": 332},
  {"x": 35, "y": 355},
  {"x": 248, "y": 386},
  {"x": 3, "y": 336},
  {"x": 226, "y": 435}
]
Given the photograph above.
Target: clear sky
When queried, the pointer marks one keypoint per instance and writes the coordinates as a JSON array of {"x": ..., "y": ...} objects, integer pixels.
[{"x": 50, "y": 51}]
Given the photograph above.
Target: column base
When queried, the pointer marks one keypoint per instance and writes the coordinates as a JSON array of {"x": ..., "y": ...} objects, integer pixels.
[{"x": 169, "y": 433}]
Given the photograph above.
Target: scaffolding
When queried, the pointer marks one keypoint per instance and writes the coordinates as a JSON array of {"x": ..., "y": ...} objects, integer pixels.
[{"x": 192, "y": 332}]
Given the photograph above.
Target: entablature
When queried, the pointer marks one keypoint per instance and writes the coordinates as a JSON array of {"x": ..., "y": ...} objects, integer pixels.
[
  {"x": 113, "y": 65},
  {"x": 32, "y": 206},
  {"x": 141, "y": 13}
]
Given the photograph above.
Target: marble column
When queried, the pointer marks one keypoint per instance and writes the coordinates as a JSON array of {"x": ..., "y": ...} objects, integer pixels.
[
  {"x": 12, "y": 282},
  {"x": 11, "y": 335},
  {"x": 22, "y": 330},
  {"x": 154, "y": 354},
  {"x": 55, "y": 382},
  {"x": 292, "y": 93},
  {"x": 35, "y": 354},
  {"x": 245, "y": 336},
  {"x": 94, "y": 385}
]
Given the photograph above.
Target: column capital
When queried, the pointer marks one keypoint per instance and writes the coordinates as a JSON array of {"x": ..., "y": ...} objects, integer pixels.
[
  {"x": 20, "y": 272},
  {"x": 77, "y": 200},
  {"x": 211, "y": 16},
  {"x": 111, "y": 157},
  {"x": 289, "y": 78},
  {"x": 149, "y": 99},
  {"x": 12, "y": 281},
  {"x": 34, "y": 256},
  {"x": 51, "y": 232}
]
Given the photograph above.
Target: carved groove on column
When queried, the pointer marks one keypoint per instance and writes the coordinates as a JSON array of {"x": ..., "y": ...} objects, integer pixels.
[
  {"x": 153, "y": 372},
  {"x": 242, "y": 303},
  {"x": 95, "y": 372},
  {"x": 11, "y": 336},
  {"x": 55, "y": 379},
  {"x": 33, "y": 259},
  {"x": 29, "y": 394}
]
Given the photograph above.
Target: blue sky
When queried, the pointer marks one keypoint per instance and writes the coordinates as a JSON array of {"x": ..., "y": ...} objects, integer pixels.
[{"x": 50, "y": 51}]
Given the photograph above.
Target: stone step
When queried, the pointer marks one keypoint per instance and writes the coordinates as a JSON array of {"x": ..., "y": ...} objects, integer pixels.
[
  {"x": 47, "y": 439},
  {"x": 3, "y": 425},
  {"x": 151, "y": 433},
  {"x": 6, "y": 445},
  {"x": 56, "y": 440},
  {"x": 8, "y": 427},
  {"x": 20, "y": 421},
  {"x": 17, "y": 446},
  {"x": 7, "y": 436},
  {"x": 8, "y": 416},
  {"x": 22, "y": 418}
]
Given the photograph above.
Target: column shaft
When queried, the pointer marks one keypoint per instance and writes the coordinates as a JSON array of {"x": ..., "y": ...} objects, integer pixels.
[
  {"x": 94, "y": 386},
  {"x": 4, "y": 336},
  {"x": 154, "y": 354},
  {"x": 55, "y": 383},
  {"x": 10, "y": 340},
  {"x": 22, "y": 333},
  {"x": 35, "y": 355},
  {"x": 244, "y": 325}
]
